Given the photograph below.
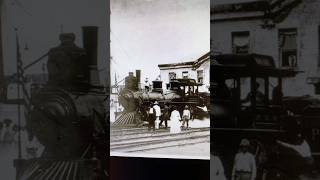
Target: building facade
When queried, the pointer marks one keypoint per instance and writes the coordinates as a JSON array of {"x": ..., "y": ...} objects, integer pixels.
[
  {"x": 287, "y": 30},
  {"x": 198, "y": 70}
]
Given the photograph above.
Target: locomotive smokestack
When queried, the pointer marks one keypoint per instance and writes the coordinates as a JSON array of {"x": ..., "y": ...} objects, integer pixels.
[
  {"x": 90, "y": 44},
  {"x": 138, "y": 75}
]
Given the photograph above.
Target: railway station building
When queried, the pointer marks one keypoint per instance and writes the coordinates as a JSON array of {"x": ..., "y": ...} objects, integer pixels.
[
  {"x": 198, "y": 69},
  {"x": 287, "y": 30}
]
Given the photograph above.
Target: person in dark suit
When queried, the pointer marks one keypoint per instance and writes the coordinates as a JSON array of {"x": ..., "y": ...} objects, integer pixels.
[
  {"x": 151, "y": 118},
  {"x": 277, "y": 95},
  {"x": 260, "y": 98},
  {"x": 165, "y": 116}
]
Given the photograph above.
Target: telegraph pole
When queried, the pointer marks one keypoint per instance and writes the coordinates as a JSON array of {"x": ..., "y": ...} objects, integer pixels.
[{"x": 19, "y": 83}]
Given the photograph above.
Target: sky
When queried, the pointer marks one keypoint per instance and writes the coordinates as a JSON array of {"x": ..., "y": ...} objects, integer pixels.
[
  {"x": 39, "y": 24},
  {"x": 145, "y": 33}
]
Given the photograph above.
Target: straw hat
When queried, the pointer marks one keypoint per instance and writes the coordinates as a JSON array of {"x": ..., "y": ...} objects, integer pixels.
[{"x": 244, "y": 142}]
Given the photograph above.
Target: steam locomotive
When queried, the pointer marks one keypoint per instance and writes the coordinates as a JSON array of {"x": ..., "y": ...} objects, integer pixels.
[
  {"x": 179, "y": 92},
  {"x": 68, "y": 115}
]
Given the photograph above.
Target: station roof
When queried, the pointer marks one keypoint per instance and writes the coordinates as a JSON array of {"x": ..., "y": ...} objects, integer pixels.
[
  {"x": 186, "y": 82},
  {"x": 192, "y": 64},
  {"x": 234, "y": 65}
]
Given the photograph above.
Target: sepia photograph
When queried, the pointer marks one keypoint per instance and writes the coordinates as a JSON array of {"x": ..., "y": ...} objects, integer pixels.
[
  {"x": 160, "y": 70},
  {"x": 265, "y": 103},
  {"x": 54, "y": 70}
]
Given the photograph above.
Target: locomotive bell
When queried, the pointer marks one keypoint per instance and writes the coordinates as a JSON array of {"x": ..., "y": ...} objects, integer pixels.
[{"x": 67, "y": 38}]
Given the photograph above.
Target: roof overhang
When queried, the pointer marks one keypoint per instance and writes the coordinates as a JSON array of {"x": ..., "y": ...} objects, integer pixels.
[
  {"x": 275, "y": 10},
  {"x": 249, "y": 65},
  {"x": 190, "y": 64}
]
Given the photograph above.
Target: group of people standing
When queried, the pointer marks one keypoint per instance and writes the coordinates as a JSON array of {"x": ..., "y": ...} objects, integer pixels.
[
  {"x": 244, "y": 165},
  {"x": 298, "y": 161},
  {"x": 156, "y": 117},
  {"x": 9, "y": 135}
]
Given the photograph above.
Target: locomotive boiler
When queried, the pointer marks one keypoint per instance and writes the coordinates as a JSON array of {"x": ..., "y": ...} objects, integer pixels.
[
  {"x": 179, "y": 92},
  {"x": 68, "y": 115}
]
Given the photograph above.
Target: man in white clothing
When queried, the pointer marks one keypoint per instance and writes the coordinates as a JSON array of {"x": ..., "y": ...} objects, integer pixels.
[
  {"x": 244, "y": 167},
  {"x": 157, "y": 108},
  {"x": 186, "y": 116},
  {"x": 216, "y": 168}
]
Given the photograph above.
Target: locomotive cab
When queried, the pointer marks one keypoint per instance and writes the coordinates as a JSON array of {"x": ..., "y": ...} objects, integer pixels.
[
  {"x": 157, "y": 86},
  {"x": 188, "y": 90},
  {"x": 186, "y": 87}
]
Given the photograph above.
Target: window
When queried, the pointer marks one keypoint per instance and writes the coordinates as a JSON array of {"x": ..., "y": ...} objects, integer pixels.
[
  {"x": 288, "y": 47},
  {"x": 172, "y": 75},
  {"x": 200, "y": 76},
  {"x": 185, "y": 75},
  {"x": 241, "y": 42}
]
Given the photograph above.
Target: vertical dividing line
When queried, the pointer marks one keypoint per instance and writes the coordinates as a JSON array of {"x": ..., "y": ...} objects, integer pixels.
[{"x": 19, "y": 65}]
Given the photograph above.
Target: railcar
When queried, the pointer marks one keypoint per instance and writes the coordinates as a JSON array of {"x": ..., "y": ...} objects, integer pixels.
[{"x": 262, "y": 116}]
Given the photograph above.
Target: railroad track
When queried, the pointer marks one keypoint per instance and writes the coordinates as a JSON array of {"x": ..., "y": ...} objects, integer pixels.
[
  {"x": 141, "y": 135},
  {"x": 122, "y": 132},
  {"x": 118, "y": 133},
  {"x": 45, "y": 169},
  {"x": 140, "y": 139}
]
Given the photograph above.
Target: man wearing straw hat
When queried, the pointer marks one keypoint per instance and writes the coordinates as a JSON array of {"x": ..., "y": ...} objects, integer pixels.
[
  {"x": 244, "y": 167},
  {"x": 157, "y": 109},
  {"x": 186, "y": 115}
]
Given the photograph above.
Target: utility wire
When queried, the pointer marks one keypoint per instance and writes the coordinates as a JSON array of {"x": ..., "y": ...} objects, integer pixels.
[
  {"x": 20, "y": 5},
  {"x": 120, "y": 46}
]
